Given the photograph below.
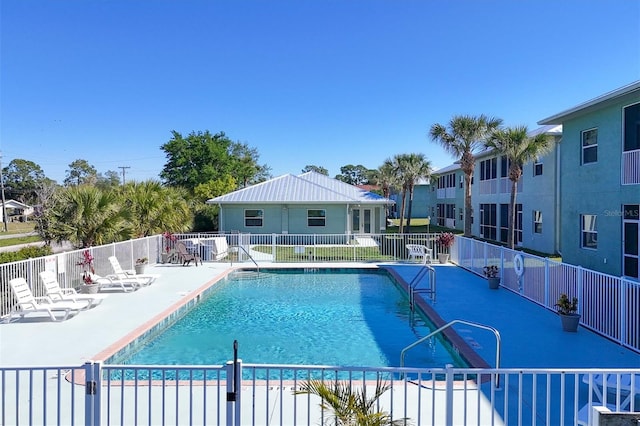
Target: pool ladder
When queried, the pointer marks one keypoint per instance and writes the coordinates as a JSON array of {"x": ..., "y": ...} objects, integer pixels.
[
  {"x": 430, "y": 291},
  {"x": 449, "y": 324},
  {"x": 249, "y": 256}
]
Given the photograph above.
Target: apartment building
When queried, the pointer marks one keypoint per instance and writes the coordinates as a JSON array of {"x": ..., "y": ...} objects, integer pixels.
[{"x": 599, "y": 183}]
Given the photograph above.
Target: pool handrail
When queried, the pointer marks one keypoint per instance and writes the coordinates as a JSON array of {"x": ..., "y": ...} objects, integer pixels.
[
  {"x": 248, "y": 255},
  {"x": 413, "y": 285},
  {"x": 449, "y": 324}
]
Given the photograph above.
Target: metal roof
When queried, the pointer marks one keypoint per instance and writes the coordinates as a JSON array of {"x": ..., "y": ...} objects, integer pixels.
[
  {"x": 595, "y": 103},
  {"x": 307, "y": 188}
]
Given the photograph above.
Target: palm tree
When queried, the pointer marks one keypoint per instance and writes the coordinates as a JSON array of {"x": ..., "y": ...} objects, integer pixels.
[
  {"x": 387, "y": 178},
  {"x": 410, "y": 168},
  {"x": 463, "y": 137},
  {"x": 519, "y": 148},
  {"x": 349, "y": 407},
  {"x": 87, "y": 216},
  {"x": 154, "y": 208}
]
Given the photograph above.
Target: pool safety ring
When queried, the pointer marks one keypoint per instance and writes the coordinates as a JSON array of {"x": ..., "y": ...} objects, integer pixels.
[{"x": 518, "y": 264}]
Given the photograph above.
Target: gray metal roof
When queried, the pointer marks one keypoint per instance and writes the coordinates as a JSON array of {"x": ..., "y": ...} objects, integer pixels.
[{"x": 307, "y": 188}]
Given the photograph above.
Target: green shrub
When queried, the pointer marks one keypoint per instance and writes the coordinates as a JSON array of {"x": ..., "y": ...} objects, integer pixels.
[{"x": 25, "y": 253}]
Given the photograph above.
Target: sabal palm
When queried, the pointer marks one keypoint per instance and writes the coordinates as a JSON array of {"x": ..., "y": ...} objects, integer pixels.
[
  {"x": 520, "y": 149},
  {"x": 387, "y": 178},
  {"x": 463, "y": 136},
  {"x": 154, "y": 208},
  {"x": 410, "y": 168},
  {"x": 350, "y": 407},
  {"x": 86, "y": 216}
]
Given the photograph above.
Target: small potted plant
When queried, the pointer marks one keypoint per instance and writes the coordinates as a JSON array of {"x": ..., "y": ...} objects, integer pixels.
[
  {"x": 88, "y": 285},
  {"x": 140, "y": 265},
  {"x": 491, "y": 272},
  {"x": 567, "y": 309},
  {"x": 444, "y": 241},
  {"x": 169, "y": 242}
]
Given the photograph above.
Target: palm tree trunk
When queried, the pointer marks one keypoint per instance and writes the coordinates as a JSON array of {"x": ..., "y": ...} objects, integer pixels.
[
  {"x": 512, "y": 216},
  {"x": 404, "y": 196},
  {"x": 409, "y": 209},
  {"x": 467, "y": 205}
]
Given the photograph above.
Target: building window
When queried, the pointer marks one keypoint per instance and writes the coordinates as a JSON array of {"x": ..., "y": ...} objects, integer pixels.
[
  {"x": 461, "y": 181},
  {"x": 489, "y": 169},
  {"x": 589, "y": 146},
  {"x": 632, "y": 127},
  {"x": 488, "y": 221},
  {"x": 316, "y": 217},
  {"x": 589, "y": 231},
  {"x": 504, "y": 223},
  {"x": 461, "y": 214},
  {"x": 537, "y": 167},
  {"x": 537, "y": 222},
  {"x": 253, "y": 218}
]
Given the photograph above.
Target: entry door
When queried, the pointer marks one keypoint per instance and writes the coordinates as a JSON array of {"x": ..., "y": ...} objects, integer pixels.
[
  {"x": 361, "y": 221},
  {"x": 631, "y": 236}
]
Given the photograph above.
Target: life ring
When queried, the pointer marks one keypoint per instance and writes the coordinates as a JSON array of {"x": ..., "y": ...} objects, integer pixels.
[{"x": 518, "y": 264}]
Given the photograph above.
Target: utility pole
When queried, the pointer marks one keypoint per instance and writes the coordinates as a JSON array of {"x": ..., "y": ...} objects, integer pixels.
[
  {"x": 4, "y": 210},
  {"x": 123, "y": 169}
]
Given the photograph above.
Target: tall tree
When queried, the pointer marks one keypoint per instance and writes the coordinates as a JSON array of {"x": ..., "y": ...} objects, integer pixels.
[
  {"x": 80, "y": 172},
  {"x": 244, "y": 166},
  {"x": 354, "y": 175},
  {"x": 202, "y": 157},
  {"x": 317, "y": 169},
  {"x": 387, "y": 178},
  {"x": 21, "y": 180},
  {"x": 463, "y": 136},
  {"x": 410, "y": 168},
  {"x": 515, "y": 144},
  {"x": 110, "y": 179}
]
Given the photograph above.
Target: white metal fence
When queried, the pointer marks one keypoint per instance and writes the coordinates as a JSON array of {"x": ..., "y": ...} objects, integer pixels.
[
  {"x": 96, "y": 394},
  {"x": 608, "y": 305}
]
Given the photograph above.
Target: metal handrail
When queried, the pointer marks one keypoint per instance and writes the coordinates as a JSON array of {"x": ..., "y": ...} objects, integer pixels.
[
  {"x": 248, "y": 255},
  {"x": 449, "y": 324},
  {"x": 416, "y": 280}
]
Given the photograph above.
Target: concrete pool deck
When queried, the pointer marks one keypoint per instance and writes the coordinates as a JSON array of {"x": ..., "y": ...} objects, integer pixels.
[{"x": 531, "y": 335}]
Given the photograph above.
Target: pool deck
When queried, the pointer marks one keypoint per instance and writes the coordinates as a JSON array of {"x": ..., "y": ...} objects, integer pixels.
[{"x": 531, "y": 335}]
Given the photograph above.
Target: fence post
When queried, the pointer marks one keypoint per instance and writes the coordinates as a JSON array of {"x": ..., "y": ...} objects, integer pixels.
[
  {"x": 546, "y": 282},
  {"x": 579, "y": 288},
  {"x": 449, "y": 394},
  {"x": 230, "y": 401},
  {"x": 273, "y": 246},
  {"x": 92, "y": 374},
  {"x": 624, "y": 338}
]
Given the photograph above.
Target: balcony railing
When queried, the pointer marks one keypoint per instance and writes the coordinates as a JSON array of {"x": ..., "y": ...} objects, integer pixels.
[{"x": 631, "y": 167}]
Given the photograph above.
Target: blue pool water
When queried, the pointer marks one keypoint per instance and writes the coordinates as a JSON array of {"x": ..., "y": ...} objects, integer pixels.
[{"x": 321, "y": 316}]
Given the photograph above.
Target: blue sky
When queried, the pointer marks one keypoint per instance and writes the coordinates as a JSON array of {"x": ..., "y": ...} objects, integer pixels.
[{"x": 327, "y": 83}]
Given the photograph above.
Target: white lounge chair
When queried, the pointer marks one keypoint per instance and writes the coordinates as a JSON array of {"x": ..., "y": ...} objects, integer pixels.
[
  {"x": 59, "y": 294},
  {"x": 110, "y": 282},
  {"x": 419, "y": 252},
  {"x": 26, "y": 303},
  {"x": 119, "y": 273}
]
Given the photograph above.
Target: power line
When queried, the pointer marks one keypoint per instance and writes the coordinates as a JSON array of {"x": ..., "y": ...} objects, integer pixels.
[{"x": 123, "y": 169}]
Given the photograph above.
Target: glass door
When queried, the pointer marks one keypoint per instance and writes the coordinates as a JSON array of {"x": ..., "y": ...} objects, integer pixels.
[{"x": 631, "y": 237}]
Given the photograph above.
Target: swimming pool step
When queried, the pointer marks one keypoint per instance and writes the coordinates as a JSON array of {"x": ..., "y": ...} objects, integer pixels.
[{"x": 247, "y": 275}]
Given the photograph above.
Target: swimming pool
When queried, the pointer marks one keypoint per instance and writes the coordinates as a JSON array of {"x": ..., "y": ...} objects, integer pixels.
[{"x": 318, "y": 316}]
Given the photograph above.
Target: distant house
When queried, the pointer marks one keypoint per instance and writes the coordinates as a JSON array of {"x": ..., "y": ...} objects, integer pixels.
[
  {"x": 600, "y": 182},
  {"x": 15, "y": 210},
  {"x": 310, "y": 203}
]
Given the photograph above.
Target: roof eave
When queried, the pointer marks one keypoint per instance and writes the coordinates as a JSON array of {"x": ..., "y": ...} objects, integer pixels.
[{"x": 607, "y": 97}]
